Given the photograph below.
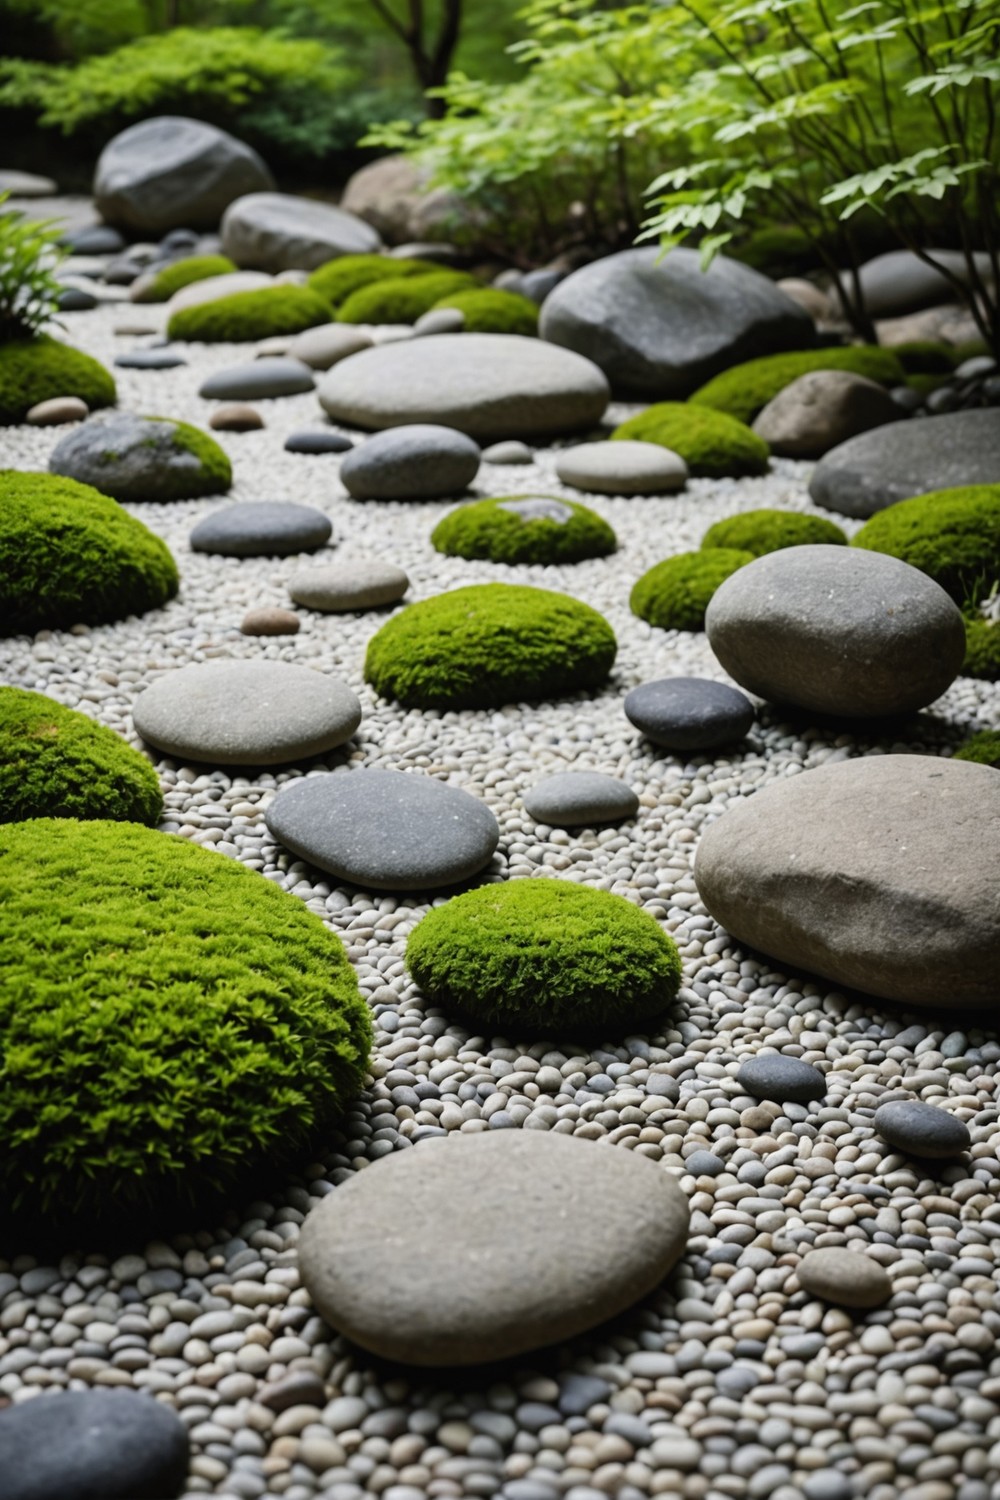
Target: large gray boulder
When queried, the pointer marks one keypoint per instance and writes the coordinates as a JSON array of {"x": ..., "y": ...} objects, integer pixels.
[
  {"x": 660, "y": 328},
  {"x": 882, "y": 874},
  {"x": 279, "y": 232},
  {"x": 170, "y": 171},
  {"x": 899, "y": 282}
]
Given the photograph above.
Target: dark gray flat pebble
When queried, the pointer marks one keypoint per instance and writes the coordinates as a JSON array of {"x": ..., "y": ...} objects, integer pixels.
[
  {"x": 258, "y": 380},
  {"x": 574, "y": 799},
  {"x": 774, "y": 1076},
  {"x": 149, "y": 359},
  {"x": 311, "y": 440},
  {"x": 577, "y": 1393},
  {"x": 922, "y": 1129},
  {"x": 75, "y": 299},
  {"x": 262, "y": 528},
  {"x": 689, "y": 713}
]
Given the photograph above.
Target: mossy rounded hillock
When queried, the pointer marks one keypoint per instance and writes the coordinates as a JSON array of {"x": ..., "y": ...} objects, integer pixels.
[
  {"x": 181, "y": 273},
  {"x": 744, "y": 390},
  {"x": 983, "y": 748},
  {"x": 170, "y": 1022},
  {"x": 982, "y": 648},
  {"x": 768, "y": 530},
  {"x": 57, "y": 763},
  {"x": 245, "y": 316},
  {"x": 545, "y": 956},
  {"x": 403, "y": 299},
  {"x": 925, "y": 357},
  {"x": 337, "y": 279},
  {"x": 489, "y": 310},
  {"x": 675, "y": 594},
  {"x": 713, "y": 445},
  {"x": 490, "y": 644},
  {"x": 524, "y": 529},
  {"x": 34, "y": 370},
  {"x": 951, "y": 535}
]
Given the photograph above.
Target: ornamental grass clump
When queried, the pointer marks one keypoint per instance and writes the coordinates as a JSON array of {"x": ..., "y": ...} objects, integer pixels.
[
  {"x": 545, "y": 956},
  {"x": 767, "y": 530},
  {"x": 29, "y": 289},
  {"x": 57, "y": 763},
  {"x": 951, "y": 535},
  {"x": 170, "y": 1023},
  {"x": 744, "y": 390},
  {"x": 37, "y": 369},
  {"x": 403, "y": 299},
  {"x": 524, "y": 529},
  {"x": 245, "y": 316},
  {"x": 675, "y": 594},
  {"x": 349, "y": 273},
  {"x": 181, "y": 273},
  {"x": 712, "y": 445}
]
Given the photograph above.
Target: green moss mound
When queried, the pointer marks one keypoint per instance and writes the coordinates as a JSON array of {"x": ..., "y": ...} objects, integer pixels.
[
  {"x": 349, "y": 273},
  {"x": 403, "y": 300},
  {"x": 711, "y": 444},
  {"x": 982, "y": 649},
  {"x": 746, "y": 389},
  {"x": 168, "y": 1019},
  {"x": 983, "y": 748},
  {"x": 545, "y": 955},
  {"x": 489, "y": 530},
  {"x": 250, "y": 315},
  {"x": 71, "y": 556},
  {"x": 56, "y": 763},
  {"x": 490, "y": 644},
  {"x": 764, "y": 530},
  {"x": 215, "y": 471},
  {"x": 925, "y": 357},
  {"x": 674, "y": 594},
  {"x": 778, "y": 251},
  {"x": 181, "y": 273},
  {"x": 33, "y": 370},
  {"x": 492, "y": 311},
  {"x": 951, "y": 535}
]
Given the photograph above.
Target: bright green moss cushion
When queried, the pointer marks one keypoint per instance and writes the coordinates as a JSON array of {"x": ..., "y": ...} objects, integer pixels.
[
  {"x": 524, "y": 529},
  {"x": 250, "y": 315},
  {"x": 675, "y": 593},
  {"x": 951, "y": 535},
  {"x": 982, "y": 649},
  {"x": 745, "y": 390},
  {"x": 33, "y": 370},
  {"x": 181, "y": 273},
  {"x": 545, "y": 955},
  {"x": 983, "y": 748},
  {"x": 348, "y": 273},
  {"x": 56, "y": 763},
  {"x": 765, "y": 530},
  {"x": 490, "y": 644},
  {"x": 71, "y": 556},
  {"x": 712, "y": 445},
  {"x": 169, "y": 1020},
  {"x": 402, "y": 299},
  {"x": 493, "y": 311}
]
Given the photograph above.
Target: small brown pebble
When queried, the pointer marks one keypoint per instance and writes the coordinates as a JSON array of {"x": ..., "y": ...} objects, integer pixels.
[
  {"x": 846, "y": 1277},
  {"x": 298, "y": 1387},
  {"x": 236, "y": 419},
  {"x": 57, "y": 410},
  {"x": 270, "y": 621}
]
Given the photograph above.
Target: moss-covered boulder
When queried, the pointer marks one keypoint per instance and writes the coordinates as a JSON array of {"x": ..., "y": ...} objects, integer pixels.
[
  {"x": 245, "y": 316},
  {"x": 982, "y": 648},
  {"x": 349, "y": 273},
  {"x": 545, "y": 955},
  {"x": 71, "y": 556},
  {"x": 170, "y": 1022},
  {"x": 490, "y": 644},
  {"x": 491, "y": 311},
  {"x": 766, "y": 530},
  {"x": 951, "y": 535},
  {"x": 403, "y": 299},
  {"x": 57, "y": 763},
  {"x": 745, "y": 390},
  {"x": 524, "y": 529},
  {"x": 161, "y": 285},
  {"x": 983, "y": 748},
  {"x": 712, "y": 445},
  {"x": 675, "y": 594},
  {"x": 136, "y": 458},
  {"x": 38, "y": 369}
]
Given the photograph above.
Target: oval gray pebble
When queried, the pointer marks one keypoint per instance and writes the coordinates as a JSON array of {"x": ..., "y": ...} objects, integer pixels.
[
  {"x": 261, "y": 528},
  {"x": 922, "y": 1129},
  {"x": 574, "y": 799}
]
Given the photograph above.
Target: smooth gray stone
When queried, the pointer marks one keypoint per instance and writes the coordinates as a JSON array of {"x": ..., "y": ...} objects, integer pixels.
[
  {"x": 922, "y": 1129},
  {"x": 899, "y": 282},
  {"x": 574, "y": 799},
  {"x": 282, "y": 232},
  {"x": 317, "y": 440},
  {"x": 26, "y": 184},
  {"x": 322, "y": 347},
  {"x": 848, "y": 1278},
  {"x": 565, "y": 1268},
  {"x": 440, "y": 320},
  {"x": 362, "y": 583},
  {"x": 704, "y": 1164},
  {"x": 94, "y": 239},
  {"x": 510, "y": 452},
  {"x": 262, "y": 528},
  {"x": 255, "y": 713},
  {"x": 839, "y": 871},
  {"x": 419, "y": 462},
  {"x": 689, "y": 713},
  {"x": 385, "y": 830},
  {"x": 538, "y": 284},
  {"x": 837, "y": 630},
  {"x": 538, "y": 508},
  {"x": 771, "y": 1075},
  {"x": 130, "y": 458},
  {"x": 622, "y": 468},
  {"x": 259, "y": 380},
  {"x": 150, "y": 359},
  {"x": 76, "y": 299}
]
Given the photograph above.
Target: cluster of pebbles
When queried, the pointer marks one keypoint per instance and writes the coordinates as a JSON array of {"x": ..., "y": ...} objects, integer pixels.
[{"x": 732, "y": 1381}]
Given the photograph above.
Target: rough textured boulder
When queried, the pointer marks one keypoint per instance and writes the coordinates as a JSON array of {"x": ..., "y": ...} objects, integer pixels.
[
  {"x": 822, "y": 409},
  {"x": 171, "y": 171},
  {"x": 279, "y": 232},
  {"x": 661, "y": 328},
  {"x": 386, "y": 193},
  {"x": 881, "y": 873}
]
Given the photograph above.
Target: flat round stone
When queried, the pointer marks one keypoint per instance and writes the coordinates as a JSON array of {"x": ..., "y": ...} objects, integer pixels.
[
  {"x": 574, "y": 799},
  {"x": 622, "y": 468},
  {"x": 236, "y": 418},
  {"x": 270, "y": 621},
  {"x": 387, "y": 830},
  {"x": 262, "y": 528},
  {"x": 847, "y": 1278},
  {"x": 365, "y": 583},
  {"x": 689, "y": 713},
  {"x": 510, "y": 452},
  {"x": 497, "y": 1282},
  {"x": 150, "y": 359},
  {"x": 420, "y": 462},
  {"x": 317, "y": 440},
  {"x": 921, "y": 1129},
  {"x": 57, "y": 411},
  {"x": 771, "y": 1075},
  {"x": 254, "y": 713},
  {"x": 258, "y": 380}
]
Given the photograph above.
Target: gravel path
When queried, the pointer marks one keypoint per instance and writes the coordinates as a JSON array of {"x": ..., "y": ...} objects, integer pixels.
[{"x": 730, "y": 1384}]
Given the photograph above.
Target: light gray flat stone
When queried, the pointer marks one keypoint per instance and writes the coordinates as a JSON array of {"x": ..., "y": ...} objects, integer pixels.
[
  {"x": 848, "y": 1278},
  {"x": 323, "y": 347},
  {"x": 623, "y": 468},
  {"x": 576, "y": 799},
  {"x": 420, "y": 462},
  {"x": 259, "y": 380},
  {"x": 262, "y": 528},
  {"x": 363, "y": 583}
]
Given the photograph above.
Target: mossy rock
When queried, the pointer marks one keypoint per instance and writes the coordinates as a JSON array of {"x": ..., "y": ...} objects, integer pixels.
[
  {"x": 71, "y": 556},
  {"x": 487, "y": 645},
  {"x": 951, "y": 535},
  {"x": 982, "y": 748},
  {"x": 493, "y": 311},
  {"x": 982, "y": 649},
  {"x": 765, "y": 530},
  {"x": 336, "y": 280},
  {"x": 524, "y": 529},
  {"x": 403, "y": 299},
  {"x": 745, "y": 390},
  {"x": 57, "y": 763},
  {"x": 925, "y": 357},
  {"x": 33, "y": 370},
  {"x": 712, "y": 445},
  {"x": 675, "y": 594},
  {"x": 170, "y": 1022},
  {"x": 545, "y": 955},
  {"x": 244, "y": 316},
  {"x": 133, "y": 458},
  {"x": 180, "y": 273}
]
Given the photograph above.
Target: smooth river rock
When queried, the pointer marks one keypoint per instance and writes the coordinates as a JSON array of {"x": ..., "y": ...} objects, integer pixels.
[
  {"x": 422, "y": 461},
  {"x": 362, "y": 583},
  {"x": 281, "y": 232},
  {"x": 490, "y": 1283},
  {"x": 262, "y": 528},
  {"x": 623, "y": 468},
  {"x": 881, "y": 873},
  {"x": 575, "y": 799},
  {"x": 921, "y": 1129},
  {"x": 848, "y": 1278},
  {"x": 772, "y": 1075},
  {"x": 259, "y": 380},
  {"x": 689, "y": 713}
]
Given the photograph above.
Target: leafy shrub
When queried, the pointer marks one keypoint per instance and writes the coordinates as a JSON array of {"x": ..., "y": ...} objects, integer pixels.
[
  {"x": 181, "y": 273},
  {"x": 349, "y": 273},
  {"x": 745, "y": 390},
  {"x": 675, "y": 594},
  {"x": 169, "y": 1021},
  {"x": 490, "y": 644},
  {"x": 56, "y": 763},
  {"x": 69, "y": 556},
  {"x": 491, "y": 530},
  {"x": 545, "y": 955},
  {"x": 245, "y": 316},
  {"x": 761, "y": 531},
  {"x": 33, "y": 370},
  {"x": 402, "y": 300},
  {"x": 710, "y": 443},
  {"x": 951, "y": 535},
  {"x": 491, "y": 311},
  {"x": 982, "y": 649},
  {"x": 983, "y": 748},
  {"x": 29, "y": 291}
]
